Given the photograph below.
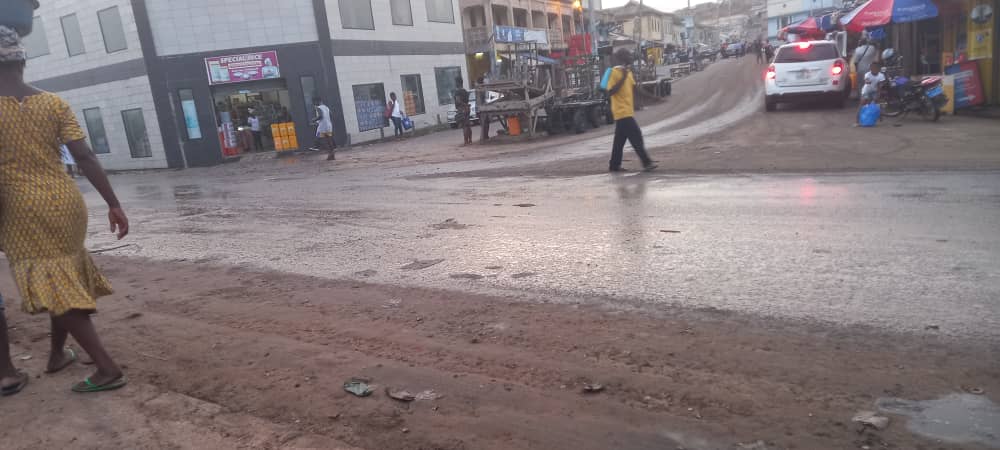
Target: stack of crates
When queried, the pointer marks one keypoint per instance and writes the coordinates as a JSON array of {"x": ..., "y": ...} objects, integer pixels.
[{"x": 284, "y": 136}]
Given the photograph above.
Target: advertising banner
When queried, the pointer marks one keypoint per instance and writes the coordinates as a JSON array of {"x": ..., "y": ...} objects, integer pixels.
[
  {"x": 245, "y": 67},
  {"x": 981, "y": 30},
  {"x": 968, "y": 87}
]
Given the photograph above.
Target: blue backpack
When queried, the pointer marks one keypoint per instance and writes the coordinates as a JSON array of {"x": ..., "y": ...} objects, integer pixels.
[{"x": 869, "y": 115}]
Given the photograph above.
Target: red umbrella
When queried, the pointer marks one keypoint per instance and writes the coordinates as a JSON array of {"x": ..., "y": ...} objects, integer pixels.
[
  {"x": 809, "y": 27},
  {"x": 876, "y": 13}
]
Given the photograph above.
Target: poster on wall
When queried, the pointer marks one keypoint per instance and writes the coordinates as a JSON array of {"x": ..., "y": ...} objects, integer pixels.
[
  {"x": 244, "y": 67},
  {"x": 369, "y": 105},
  {"x": 981, "y": 30},
  {"x": 191, "y": 119},
  {"x": 968, "y": 87}
]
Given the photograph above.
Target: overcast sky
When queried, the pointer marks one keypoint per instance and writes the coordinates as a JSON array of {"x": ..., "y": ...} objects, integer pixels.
[{"x": 662, "y": 5}]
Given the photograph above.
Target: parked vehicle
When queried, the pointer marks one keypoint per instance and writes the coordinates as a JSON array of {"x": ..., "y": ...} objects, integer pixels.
[
  {"x": 474, "y": 110},
  {"x": 901, "y": 95},
  {"x": 733, "y": 50},
  {"x": 807, "y": 71}
]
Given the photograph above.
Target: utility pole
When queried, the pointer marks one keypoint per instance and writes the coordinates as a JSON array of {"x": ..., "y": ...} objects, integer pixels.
[{"x": 592, "y": 29}]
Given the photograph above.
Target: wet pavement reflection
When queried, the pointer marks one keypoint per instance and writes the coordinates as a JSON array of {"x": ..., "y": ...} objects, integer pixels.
[{"x": 898, "y": 251}]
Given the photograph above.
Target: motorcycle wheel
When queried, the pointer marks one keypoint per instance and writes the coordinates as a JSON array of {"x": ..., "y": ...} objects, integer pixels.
[
  {"x": 891, "y": 108},
  {"x": 929, "y": 111}
]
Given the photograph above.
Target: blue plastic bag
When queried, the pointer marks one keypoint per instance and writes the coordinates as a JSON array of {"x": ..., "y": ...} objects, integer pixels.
[
  {"x": 869, "y": 115},
  {"x": 407, "y": 123},
  {"x": 605, "y": 78}
]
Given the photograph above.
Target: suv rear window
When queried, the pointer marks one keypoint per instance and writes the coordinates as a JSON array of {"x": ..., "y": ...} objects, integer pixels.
[{"x": 815, "y": 52}]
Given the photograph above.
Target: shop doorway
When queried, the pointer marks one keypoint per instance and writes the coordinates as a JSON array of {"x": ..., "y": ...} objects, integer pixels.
[{"x": 235, "y": 105}]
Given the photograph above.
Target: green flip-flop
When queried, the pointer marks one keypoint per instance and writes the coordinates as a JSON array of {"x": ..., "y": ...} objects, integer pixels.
[
  {"x": 69, "y": 361},
  {"x": 86, "y": 385}
]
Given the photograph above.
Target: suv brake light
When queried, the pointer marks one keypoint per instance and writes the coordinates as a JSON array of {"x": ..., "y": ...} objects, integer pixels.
[
  {"x": 803, "y": 45},
  {"x": 770, "y": 73},
  {"x": 838, "y": 67}
]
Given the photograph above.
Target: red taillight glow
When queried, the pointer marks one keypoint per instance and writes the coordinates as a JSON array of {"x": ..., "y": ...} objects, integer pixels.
[
  {"x": 803, "y": 45},
  {"x": 838, "y": 68},
  {"x": 769, "y": 75}
]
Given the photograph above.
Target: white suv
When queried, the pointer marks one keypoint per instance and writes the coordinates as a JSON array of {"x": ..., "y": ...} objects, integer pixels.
[{"x": 807, "y": 71}]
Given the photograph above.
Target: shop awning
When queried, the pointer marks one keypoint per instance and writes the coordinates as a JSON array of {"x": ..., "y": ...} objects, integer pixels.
[{"x": 876, "y": 13}]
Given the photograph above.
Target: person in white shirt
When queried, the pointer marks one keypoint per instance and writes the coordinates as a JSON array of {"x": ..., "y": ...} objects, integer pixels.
[
  {"x": 254, "y": 123},
  {"x": 396, "y": 115},
  {"x": 869, "y": 90},
  {"x": 324, "y": 129}
]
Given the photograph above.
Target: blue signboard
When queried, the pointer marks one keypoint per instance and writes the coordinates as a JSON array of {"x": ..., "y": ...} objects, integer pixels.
[{"x": 508, "y": 34}]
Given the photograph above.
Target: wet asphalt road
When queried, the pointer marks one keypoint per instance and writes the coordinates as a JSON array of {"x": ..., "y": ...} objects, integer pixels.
[{"x": 900, "y": 251}]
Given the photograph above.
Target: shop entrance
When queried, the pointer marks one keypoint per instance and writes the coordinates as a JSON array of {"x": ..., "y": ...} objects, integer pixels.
[{"x": 235, "y": 104}]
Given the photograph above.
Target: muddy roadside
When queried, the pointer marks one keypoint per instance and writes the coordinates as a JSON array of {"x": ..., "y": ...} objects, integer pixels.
[{"x": 234, "y": 358}]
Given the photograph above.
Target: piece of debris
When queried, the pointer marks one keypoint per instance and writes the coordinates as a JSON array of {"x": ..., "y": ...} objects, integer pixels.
[
  {"x": 406, "y": 430},
  {"x": 134, "y": 315},
  {"x": 449, "y": 224},
  {"x": 401, "y": 395},
  {"x": 494, "y": 267},
  {"x": 669, "y": 231},
  {"x": 24, "y": 357},
  {"x": 466, "y": 276},
  {"x": 870, "y": 419},
  {"x": 393, "y": 303},
  {"x": 932, "y": 327},
  {"x": 758, "y": 445},
  {"x": 358, "y": 387},
  {"x": 420, "y": 264},
  {"x": 427, "y": 395},
  {"x": 366, "y": 273},
  {"x": 524, "y": 205},
  {"x": 974, "y": 390},
  {"x": 523, "y": 275},
  {"x": 593, "y": 388}
]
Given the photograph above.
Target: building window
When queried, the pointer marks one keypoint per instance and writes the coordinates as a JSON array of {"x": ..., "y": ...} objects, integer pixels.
[
  {"x": 308, "y": 94},
  {"x": 413, "y": 94},
  {"x": 357, "y": 14},
  {"x": 36, "y": 44},
  {"x": 95, "y": 128},
  {"x": 401, "y": 12},
  {"x": 135, "y": 131},
  {"x": 71, "y": 31},
  {"x": 444, "y": 78},
  {"x": 111, "y": 28},
  {"x": 440, "y": 11},
  {"x": 369, "y": 104},
  {"x": 190, "y": 110}
]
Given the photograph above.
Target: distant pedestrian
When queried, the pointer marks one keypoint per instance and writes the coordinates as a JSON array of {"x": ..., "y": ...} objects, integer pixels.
[
  {"x": 396, "y": 115},
  {"x": 622, "y": 95},
  {"x": 68, "y": 161},
  {"x": 463, "y": 111},
  {"x": 873, "y": 80},
  {"x": 324, "y": 129},
  {"x": 769, "y": 52},
  {"x": 481, "y": 100},
  {"x": 758, "y": 50},
  {"x": 254, "y": 123},
  {"x": 864, "y": 56}
]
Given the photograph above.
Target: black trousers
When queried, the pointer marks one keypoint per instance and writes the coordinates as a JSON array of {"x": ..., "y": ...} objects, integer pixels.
[
  {"x": 257, "y": 140},
  {"x": 627, "y": 129}
]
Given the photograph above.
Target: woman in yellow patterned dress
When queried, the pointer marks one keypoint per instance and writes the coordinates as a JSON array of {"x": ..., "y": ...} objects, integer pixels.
[{"x": 43, "y": 221}]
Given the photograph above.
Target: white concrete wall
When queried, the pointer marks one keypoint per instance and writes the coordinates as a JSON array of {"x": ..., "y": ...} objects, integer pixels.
[
  {"x": 58, "y": 62},
  {"x": 113, "y": 98},
  {"x": 421, "y": 31},
  {"x": 191, "y": 26},
  {"x": 352, "y": 70}
]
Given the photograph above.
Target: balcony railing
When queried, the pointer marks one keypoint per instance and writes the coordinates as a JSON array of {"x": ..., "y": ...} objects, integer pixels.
[{"x": 478, "y": 39}]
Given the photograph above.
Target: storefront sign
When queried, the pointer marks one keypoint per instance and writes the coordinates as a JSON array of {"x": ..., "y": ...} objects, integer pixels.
[
  {"x": 981, "y": 30},
  {"x": 245, "y": 67},
  {"x": 968, "y": 87},
  {"x": 508, "y": 34}
]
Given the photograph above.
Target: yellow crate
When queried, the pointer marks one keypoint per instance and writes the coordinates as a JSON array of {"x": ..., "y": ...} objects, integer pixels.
[
  {"x": 276, "y": 130},
  {"x": 293, "y": 142}
]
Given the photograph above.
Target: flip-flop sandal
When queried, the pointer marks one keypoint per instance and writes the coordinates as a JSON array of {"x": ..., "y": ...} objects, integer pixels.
[
  {"x": 69, "y": 361},
  {"x": 88, "y": 386},
  {"x": 13, "y": 389}
]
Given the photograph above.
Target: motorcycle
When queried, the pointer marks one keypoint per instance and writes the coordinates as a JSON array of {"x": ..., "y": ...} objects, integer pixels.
[{"x": 901, "y": 95}]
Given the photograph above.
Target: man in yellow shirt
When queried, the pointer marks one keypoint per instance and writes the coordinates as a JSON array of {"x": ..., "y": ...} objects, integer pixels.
[{"x": 622, "y": 94}]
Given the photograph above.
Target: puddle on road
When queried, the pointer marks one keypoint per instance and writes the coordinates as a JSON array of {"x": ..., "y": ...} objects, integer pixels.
[{"x": 956, "y": 418}]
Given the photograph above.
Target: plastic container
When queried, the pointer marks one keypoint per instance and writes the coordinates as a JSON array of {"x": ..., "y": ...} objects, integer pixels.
[
  {"x": 514, "y": 125},
  {"x": 18, "y": 14}
]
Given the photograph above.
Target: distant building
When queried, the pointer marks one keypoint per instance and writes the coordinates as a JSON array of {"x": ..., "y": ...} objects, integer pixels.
[
  {"x": 650, "y": 25},
  {"x": 781, "y": 13}
]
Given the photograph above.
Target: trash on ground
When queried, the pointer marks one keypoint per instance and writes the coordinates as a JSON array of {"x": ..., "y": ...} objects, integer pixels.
[
  {"x": 669, "y": 231},
  {"x": 932, "y": 327},
  {"x": 401, "y": 395},
  {"x": 974, "y": 390},
  {"x": 524, "y": 205},
  {"x": 869, "y": 418},
  {"x": 25, "y": 357},
  {"x": 593, "y": 388},
  {"x": 422, "y": 264},
  {"x": 428, "y": 395},
  {"x": 358, "y": 387}
]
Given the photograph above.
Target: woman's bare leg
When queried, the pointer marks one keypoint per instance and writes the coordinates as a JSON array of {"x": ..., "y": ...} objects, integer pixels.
[
  {"x": 57, "y": 354},
  {"x": 8, "y": 374},
  {"x": 78, "y": 324}
]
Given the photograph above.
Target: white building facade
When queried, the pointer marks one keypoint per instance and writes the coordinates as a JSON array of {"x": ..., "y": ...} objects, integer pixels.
[{"x": 172, "y": 83}]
